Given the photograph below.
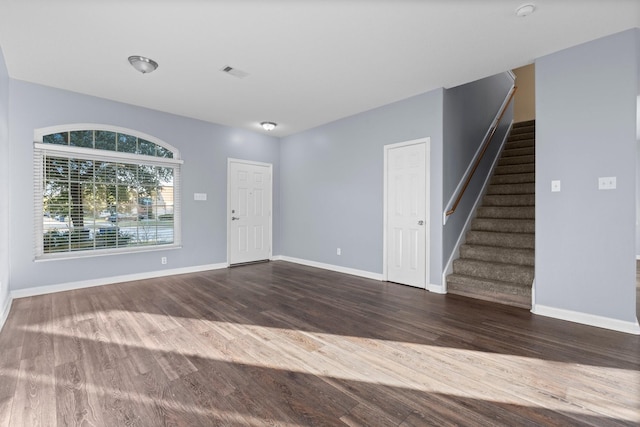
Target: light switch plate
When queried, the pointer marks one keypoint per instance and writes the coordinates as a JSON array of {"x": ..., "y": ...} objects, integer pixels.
[
  {"x": 555, "y": 186},
  {"x": 199, "y": 196},
  {"x": 607, "y": 183}
]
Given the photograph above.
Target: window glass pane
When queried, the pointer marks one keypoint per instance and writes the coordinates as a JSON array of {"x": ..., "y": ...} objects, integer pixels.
[
  {"x": 56, "y": 241},
  {"x": 97, "y": 204},
  {"x": 80, "y": 240},
  {"x": 81, "y": 138},
  {"x": 126, "y": 143},
  {"x": 81, "y": 170},
  {"x": 56, "y": 168},
  {"x": 147, "y": 148},
  {"x": 105, "y": 172},
  {"x": 105, "y": 140},
  {"x": 163, "y": 152},
  {"x": 61, "y": 138}
]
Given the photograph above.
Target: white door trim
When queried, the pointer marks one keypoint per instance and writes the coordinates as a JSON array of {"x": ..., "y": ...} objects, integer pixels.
[
  {"x": 427, "y": 142},
  {"x": 253, "y": 163}
]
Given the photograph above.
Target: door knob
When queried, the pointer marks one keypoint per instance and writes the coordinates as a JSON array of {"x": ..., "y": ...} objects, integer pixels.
[
  {"x": 421, "y": 222},
  {"x": 233, "y": 218}
]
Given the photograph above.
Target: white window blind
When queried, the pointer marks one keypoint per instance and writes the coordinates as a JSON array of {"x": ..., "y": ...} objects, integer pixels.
[{"x": 104, "y": 190}]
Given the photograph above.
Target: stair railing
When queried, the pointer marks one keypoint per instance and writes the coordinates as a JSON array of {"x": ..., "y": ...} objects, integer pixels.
[{"x": 487, "y": 141}]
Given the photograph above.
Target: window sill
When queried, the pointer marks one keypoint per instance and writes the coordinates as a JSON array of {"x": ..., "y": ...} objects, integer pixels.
[{"x": 103, "y": 252}]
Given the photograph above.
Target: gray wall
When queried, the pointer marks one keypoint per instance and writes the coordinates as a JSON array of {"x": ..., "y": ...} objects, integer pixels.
[
  {"x": 586, "y": 128},
  {"x": 332, "y": 184},
  {"x": 4, "y": 185},
  {"x": 204, "y": 148},
  {"x": 638, "y": 196},
  {"x": 638, "y": 163},
  {"x": 469, "y": 110}
]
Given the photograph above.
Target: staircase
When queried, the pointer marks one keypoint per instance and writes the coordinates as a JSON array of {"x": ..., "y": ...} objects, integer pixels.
[{"x": 496, "y": 261}]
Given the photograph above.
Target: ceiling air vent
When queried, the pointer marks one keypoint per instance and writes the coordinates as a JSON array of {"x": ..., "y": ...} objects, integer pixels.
[{"x": 234, "y": 72}]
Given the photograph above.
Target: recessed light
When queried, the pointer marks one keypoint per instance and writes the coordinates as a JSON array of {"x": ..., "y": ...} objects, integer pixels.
[
  {"x": 268, "y": 125},
  {"x": 525, "y": 10}
]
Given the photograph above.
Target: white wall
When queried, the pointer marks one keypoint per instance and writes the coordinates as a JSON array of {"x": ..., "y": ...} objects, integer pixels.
[{"x": 586, "y": 128}]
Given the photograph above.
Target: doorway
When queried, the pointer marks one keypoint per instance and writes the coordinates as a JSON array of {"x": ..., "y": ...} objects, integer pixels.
[
  {"x": 406, "y": 220},
  {"x": 249, "y": 216}
]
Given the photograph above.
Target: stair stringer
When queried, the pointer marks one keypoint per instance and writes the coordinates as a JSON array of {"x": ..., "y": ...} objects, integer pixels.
[{"x": 455, "y": 253}]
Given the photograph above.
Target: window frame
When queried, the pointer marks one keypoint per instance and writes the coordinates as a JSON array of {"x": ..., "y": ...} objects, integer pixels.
[{"x": 40, "y": 149}]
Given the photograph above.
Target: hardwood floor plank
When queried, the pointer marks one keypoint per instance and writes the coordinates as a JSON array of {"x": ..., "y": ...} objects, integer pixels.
[
  {"x": 16, "y": 322},
  {"x": 9, "y": 368},
  {"x": 34, "y": 401},
  {"x": 39, "y": 326},
  {"x": 75, "y": 404},
  {"x": 290, "y": 345}
]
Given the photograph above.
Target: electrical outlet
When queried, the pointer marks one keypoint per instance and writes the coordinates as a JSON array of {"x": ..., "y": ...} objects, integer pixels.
[
  {"x": 339, "y": 251},
  {"x": 163, "y": 260},
  {"x": 555, "y": 186}
]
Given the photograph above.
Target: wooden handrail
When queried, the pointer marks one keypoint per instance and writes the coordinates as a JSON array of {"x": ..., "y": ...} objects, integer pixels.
[{"x": 481, "y": 156}]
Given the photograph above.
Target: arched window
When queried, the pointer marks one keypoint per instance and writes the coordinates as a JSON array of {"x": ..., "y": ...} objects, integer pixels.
[{"x": 101, "y": 189}]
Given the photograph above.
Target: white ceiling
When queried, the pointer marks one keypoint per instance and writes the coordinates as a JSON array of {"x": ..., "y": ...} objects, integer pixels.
[{"x": 309, "y": 61}]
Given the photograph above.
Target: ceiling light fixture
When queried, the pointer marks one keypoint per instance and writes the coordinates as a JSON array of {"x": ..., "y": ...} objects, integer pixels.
[
  {"x": 142, "y": 64},
  {"x": 268, "y": 125},
  {"x": 525, "y": 10}
]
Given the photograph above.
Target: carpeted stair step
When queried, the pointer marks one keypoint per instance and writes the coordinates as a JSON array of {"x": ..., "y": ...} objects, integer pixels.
[
  {"x": 509, "y": 169},
  {"x": 521, "y": 136},
  {"x": 497, "y": 259},
  {"x": 491, "y": 238},
  {"x": 490, "y": 290},
  {"x": 529, "y": 124},
  {"x": 513, "y": 178},
  {"x": 509, "y": 200},
  {"x": 522, "y": 130},
  {"x": 524, "y": 151},
  {"x": 521, "y": 188},
  {"x": 512, "y": 273},
  {"x": 514, "y": 212},
  {"x": 496, "y": 254},
  {"x": 516, "y": 160},
  {"x": 510, "y": 145},
  {"x": 502, "y": 225}
]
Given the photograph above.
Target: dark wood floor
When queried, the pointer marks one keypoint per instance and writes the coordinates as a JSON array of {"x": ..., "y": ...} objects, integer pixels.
[{"x": 283, "y": 344}]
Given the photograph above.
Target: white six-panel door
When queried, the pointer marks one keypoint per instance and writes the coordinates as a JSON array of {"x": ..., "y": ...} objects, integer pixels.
[
  {"x": 406, "y": 213},
  {"x": 249, "y": 211}
]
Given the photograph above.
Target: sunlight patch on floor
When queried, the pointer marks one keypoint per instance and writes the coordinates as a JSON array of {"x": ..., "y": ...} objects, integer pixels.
[
  {"x": 103, "y": 392},
  {"x": 441, "y": 370}
]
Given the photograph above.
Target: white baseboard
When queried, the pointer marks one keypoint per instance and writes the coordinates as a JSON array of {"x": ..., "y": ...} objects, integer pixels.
[
  {"x": 4, "y": 313},
  {"x": 41, "y": 290},
  {"x": 436, "y": 289},
  {"x": 331, "y": 267},
  {"x": 587, "y": 319}
]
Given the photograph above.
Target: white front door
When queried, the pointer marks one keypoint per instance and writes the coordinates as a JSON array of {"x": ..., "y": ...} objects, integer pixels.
[
  {"x": 405, "y": 213},
  {"x": 249, "y": 211}
]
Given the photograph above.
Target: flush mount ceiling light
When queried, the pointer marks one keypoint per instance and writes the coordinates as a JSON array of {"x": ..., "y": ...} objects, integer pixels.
[
  {"x": 268, "y": 125},
  {"x": 525, "y": 10},
  {"x": 142, "y": 64}
]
